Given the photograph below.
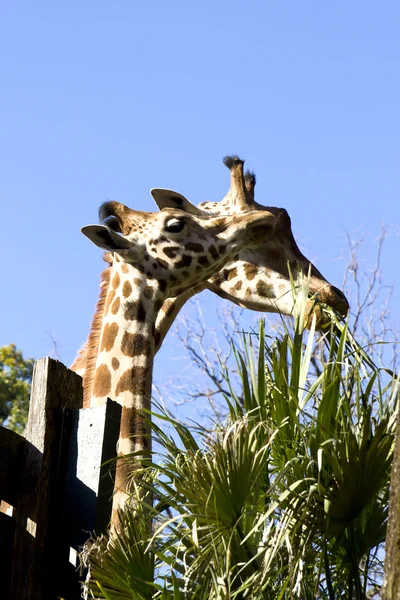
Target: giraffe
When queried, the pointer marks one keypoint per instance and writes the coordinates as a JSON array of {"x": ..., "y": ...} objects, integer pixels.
[
  {"x": 151, "y": 257},
  {"x": 259, "y": 278}
]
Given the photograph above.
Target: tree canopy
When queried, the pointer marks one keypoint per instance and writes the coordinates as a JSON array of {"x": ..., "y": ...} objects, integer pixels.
[{"x": 15, "y": 383}]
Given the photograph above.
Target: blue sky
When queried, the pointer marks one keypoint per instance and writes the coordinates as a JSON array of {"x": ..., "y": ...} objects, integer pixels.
[{"x": 104, "y": 100}]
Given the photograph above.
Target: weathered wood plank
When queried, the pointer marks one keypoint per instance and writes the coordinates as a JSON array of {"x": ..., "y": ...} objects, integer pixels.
[
  {"x": 65, "y": 488},
  {"x": 91, "y": 474},
  {"x": 39, "y": 546},
  {"x": 7, "y": 529},
  {"x": 11, "y": 450},
  {"x": 90, "y": 482}
]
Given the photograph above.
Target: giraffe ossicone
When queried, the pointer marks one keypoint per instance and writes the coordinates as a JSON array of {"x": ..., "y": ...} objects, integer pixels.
[
  {"x": 152, "y": 257},
  {"x": 259, "y": 278}
]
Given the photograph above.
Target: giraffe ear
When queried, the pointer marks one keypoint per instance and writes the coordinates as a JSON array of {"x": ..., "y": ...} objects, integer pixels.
[
  {"x": 109, "y": 240},
  {"x": 170, "y": 199}
]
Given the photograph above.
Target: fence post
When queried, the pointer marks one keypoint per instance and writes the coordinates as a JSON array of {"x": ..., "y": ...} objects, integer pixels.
[
  {"x": 64, "y": 485},
  {"x": 38, "y": 554},
  {"x": 90, "y": 482},
  {"x": 11, "y": 453}
]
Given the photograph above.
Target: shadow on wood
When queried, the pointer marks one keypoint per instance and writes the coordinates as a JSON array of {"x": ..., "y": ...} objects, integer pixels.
[{"x": 57, "y": 484}]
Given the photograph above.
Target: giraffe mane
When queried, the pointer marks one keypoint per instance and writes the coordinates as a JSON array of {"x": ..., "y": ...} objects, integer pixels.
[{"x": 92, "y": 345}]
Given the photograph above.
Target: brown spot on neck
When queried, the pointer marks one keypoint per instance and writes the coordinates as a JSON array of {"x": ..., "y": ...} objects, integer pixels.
[
  {"x": 148, "y": 292},
  {"x": 102, "y": 382},
  {"x": 115, "y": 305},
  {"x": 135, "y": 311},
  {"x": 133, "y": 380},
  {"x": 127, "y": 289},
  {"x": 116, "y": 281},
  {"x": 135, "y": 344},
  {"x": 108, "y": 338},
  {"x": 133, "y": 426},
  {"x": 109, "y": 299}
]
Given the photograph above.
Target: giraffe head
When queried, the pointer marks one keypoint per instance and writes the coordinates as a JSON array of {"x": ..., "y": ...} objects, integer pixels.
[
  {"x": 152, "y": 257},
  {"x": 177, "y": 249},
  {"x": 261, "y": 278}
]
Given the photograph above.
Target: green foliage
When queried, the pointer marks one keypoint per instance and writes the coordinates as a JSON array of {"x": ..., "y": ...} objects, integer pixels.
[
  {"x": 288, "y": 500},
  {"x": 128, "y": 566},
  {"x": 15, "y": 383}
]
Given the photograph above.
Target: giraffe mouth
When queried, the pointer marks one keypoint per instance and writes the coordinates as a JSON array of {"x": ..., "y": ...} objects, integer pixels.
[{"x": 333, "y": 298}]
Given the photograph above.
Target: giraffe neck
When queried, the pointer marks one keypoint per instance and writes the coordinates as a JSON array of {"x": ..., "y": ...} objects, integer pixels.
[
  {"x": 121, "y": 341},
  {"x": 122, "y": 364}
]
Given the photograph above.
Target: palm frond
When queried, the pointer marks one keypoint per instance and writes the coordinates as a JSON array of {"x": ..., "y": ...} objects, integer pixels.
[{"x": 289, "y": 499}]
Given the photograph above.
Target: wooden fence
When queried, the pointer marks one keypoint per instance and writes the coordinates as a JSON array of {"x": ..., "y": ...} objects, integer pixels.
[{"x": 55, "y": 488}]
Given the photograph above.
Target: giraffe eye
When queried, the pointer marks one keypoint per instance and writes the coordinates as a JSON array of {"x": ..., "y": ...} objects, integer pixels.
[{"x": 174, "y": 225}]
